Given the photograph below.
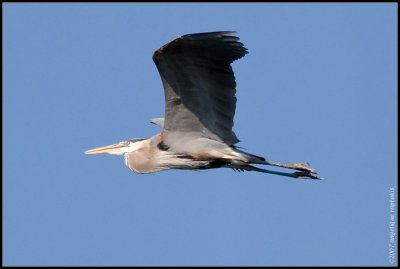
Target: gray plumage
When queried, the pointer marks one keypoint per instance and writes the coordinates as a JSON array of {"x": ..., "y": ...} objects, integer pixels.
[
  {"x": 200, "y": 102},
  {"x": 199, "y": 84}
]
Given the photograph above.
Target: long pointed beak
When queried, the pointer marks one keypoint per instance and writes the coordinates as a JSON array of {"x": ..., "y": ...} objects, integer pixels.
[{"x": 111, "y": 149}]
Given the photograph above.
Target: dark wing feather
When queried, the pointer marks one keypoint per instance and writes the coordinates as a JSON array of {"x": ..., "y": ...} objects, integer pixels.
[{"x": 199, "y": 85}]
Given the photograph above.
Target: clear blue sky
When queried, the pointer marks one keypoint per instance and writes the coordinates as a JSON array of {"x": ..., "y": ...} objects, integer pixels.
[{"x": 319, "y": 84}]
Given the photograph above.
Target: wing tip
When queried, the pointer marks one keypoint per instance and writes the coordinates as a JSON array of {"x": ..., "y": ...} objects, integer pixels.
[
  {"x": 229, "y": 38},
  {"x": 215, "y": 33},
  {"x": 228, "y": 41}
]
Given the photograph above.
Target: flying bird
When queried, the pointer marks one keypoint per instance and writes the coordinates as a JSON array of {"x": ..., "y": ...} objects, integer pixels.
[{"x": 200, "y": 102}]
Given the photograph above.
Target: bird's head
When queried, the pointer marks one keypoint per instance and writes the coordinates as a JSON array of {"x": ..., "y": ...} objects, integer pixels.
[{"x": 119, "y": 148}]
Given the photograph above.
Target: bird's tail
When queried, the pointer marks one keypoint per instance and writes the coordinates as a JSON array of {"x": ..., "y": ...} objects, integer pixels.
[{"x": 251, "y": 158}]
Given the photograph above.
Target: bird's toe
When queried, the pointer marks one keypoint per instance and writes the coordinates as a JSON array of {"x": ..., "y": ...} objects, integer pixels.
[{"x": 303, "y": 166}]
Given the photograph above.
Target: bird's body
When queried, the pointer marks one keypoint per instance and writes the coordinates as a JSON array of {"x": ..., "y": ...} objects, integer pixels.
[{"x": 200, "y": 88}]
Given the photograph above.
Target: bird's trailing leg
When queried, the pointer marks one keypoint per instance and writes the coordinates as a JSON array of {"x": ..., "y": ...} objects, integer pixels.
[
  {"x": 303, "y": 171},
  {"x": 299, "y": 174},
  {"x": 302, "y": 167}
]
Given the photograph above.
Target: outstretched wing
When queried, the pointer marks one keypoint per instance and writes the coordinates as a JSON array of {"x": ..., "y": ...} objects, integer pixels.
[{"x": 199, "y": 85}]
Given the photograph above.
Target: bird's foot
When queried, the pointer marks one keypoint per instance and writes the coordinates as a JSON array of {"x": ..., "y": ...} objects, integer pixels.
[
  {"x": 303, "y": 166},
  {"x": 300, "y": 166},
  {"x": 306, "y": 175},
  {"x": 303, "y": 171}
]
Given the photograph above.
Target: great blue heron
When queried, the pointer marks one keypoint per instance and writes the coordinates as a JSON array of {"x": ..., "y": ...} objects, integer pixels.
[{"x": 199, "y": 87}]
